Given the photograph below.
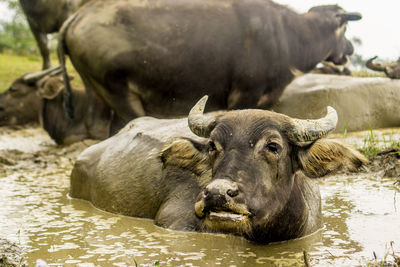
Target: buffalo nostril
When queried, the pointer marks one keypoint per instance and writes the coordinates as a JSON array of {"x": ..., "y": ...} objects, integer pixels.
[
  {"x": 210, "y": 192},
  {"x": 213, "y": 192},
  {"x": 232, "y": 192}
]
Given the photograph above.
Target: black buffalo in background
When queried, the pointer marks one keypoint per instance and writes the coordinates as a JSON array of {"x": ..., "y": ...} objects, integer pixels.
[{"x": 156, "y": 58}]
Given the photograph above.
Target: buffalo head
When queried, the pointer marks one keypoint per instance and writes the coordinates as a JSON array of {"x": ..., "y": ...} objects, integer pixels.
[
  {"x": 20, "y": 103},
  {"x": 255, "y": 156},
  {"x": 392, "y": 70},
  {"x": 339, "y": 17}
]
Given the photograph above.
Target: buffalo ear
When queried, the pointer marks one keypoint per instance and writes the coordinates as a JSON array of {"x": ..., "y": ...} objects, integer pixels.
[
  {"x": 187, "y": 154},
  {"x": 326, "y": 156},
  {"x": 50, "y": 87}
]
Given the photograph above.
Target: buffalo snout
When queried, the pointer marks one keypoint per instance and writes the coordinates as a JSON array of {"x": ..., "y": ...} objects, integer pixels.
[
  {"x": 341, "y": 57},
  {"x": 222, "y": 187},
  {"x": 221, "y": 195},
  {"x": 349, "y": 50},
  {"x": 219, "y": 192}
]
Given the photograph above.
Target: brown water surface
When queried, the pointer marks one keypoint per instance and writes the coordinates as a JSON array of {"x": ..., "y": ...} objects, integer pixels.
[{"x": 361, "y": 215}]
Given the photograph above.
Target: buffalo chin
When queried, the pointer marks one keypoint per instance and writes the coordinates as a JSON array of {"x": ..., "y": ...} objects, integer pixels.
[
  {"x": 344, "y": 61},
  {"x": 227, "y": 222}
]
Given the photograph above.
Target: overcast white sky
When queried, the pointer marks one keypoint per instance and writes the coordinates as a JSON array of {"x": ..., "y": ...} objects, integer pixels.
[
  {"x": 379, "y": 28},
  {"x": 3, "y": 11}
]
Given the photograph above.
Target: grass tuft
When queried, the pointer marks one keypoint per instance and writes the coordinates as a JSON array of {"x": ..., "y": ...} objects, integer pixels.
[
  {"x": 390, "y": 259},
  {"x": 373, "y": 146}
]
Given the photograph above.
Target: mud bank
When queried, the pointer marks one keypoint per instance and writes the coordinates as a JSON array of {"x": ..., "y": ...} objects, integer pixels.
[
  {"x": 11, "y": 254},
  {"x": 29, "y": 147},
  {"x": 386, "y": 162}
]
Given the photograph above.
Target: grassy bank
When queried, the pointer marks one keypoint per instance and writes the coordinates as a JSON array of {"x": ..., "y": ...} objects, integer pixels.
[
  {"x": 12, "y": 67},
  {"x": 367, "y": 73}
]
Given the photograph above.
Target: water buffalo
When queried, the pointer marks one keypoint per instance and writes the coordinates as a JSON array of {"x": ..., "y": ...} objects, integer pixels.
[
  {"x": 38, "y": 97},
  {"x": 62, "y": 129},
  {"x": 157, "y": 58},
  {"x": 47, "y": 16},
  {"x": 244, "y": 172},
  {"x": 20, "y": 103},
  {"x": 392, "y": 70}
]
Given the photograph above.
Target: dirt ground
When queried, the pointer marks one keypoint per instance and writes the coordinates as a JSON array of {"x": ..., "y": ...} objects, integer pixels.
[
  {"x": 387, "y": 162},
  {"x": 28, "y": 147}
]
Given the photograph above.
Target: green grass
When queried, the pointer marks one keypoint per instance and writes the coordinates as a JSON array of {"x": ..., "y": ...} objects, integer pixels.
[
  {"x": 391, "y": 258},
  {"x": 366, "y": 73},
  {"x": 12, "y": 67},
  {"x": 373, "y": 145}
]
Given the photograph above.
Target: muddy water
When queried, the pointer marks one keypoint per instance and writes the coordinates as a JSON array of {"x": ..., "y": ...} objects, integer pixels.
[{"x": 361, "y": 215}]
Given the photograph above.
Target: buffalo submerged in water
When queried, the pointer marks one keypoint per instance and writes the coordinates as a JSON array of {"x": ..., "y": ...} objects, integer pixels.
[
  {"x": 39, "y": 97},
  {"x": 245, "y": 172}
]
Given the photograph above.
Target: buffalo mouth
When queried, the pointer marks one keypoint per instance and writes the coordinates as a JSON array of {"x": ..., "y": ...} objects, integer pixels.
[
  {"x": 225, "y": 216},
  {"x": 235, "y": 218},
  {"x": 227, "y": 222},
  {"x": 340, "y": 62}
]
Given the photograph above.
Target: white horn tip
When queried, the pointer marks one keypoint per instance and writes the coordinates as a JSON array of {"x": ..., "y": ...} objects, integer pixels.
[
  {"x": 200, "y": 105},
  {"x": 331, "y": 112}
]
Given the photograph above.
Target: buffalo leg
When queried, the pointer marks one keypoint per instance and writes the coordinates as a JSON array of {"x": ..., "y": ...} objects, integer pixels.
[
  {"x": 123, "y": 97},
  {"x": 268, "y": 100},
  {"x": 41, "y": 40},
  {"x": 240, "y": 97},
  {"x": 117, "y": 124},
  {"x": 127, "y": 106},
  {"x": 135, "y": 101},
  {"x": 98, "y": 115}
]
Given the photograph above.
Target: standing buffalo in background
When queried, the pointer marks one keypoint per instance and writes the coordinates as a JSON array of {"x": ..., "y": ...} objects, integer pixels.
[
  {"x": 392, "y": 70},
  {"x": 145, "y": 58},
  {"x": 246, "y": 177},
  {"x": 38, "y": 97},
  {"x": 47, "y": 16}
]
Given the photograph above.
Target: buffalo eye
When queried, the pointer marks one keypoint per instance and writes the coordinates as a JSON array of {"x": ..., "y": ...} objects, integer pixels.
[
  {"x": 211, "y": 147},
  {"x": 273, "y": 147}
]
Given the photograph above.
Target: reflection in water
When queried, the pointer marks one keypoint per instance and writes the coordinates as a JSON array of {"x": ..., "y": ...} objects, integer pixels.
[
  {"x": 36, "y": 213},
  {"x": 360, "y": 216}
]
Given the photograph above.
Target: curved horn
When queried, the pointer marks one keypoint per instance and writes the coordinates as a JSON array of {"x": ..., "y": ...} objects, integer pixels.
[
  {"x": 350, "y": 16},
  {"x": 199, "y": 123},
  {"x": 375, "y": 66},
  {"x": 34, "y": 77},
  {"x": 304, "y": 132}
]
